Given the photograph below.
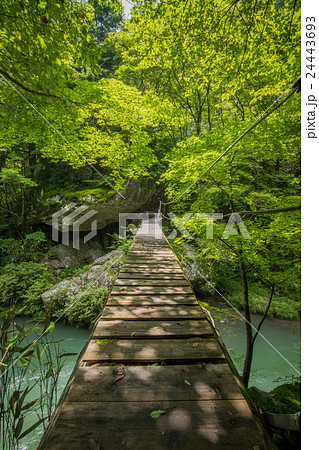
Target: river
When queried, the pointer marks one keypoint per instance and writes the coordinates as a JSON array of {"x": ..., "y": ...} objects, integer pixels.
[
  {"x": 269, "y": 369},
  {"x": 73, "y": 342},
  {"x": 277, "y": 357}
]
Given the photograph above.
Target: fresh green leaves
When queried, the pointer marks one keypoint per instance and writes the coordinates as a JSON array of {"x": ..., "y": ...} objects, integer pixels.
[
  {"x": 103, "y": 341},
  {"x": 156, "y": 414}
]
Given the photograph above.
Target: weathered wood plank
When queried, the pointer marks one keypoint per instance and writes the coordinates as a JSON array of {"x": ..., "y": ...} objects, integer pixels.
[
  {"x": 149, "y": 256},
  {"x": 152, "y": 312},
  {"x": 149, "y": 262},
  {"x": 200, "y": 425},
  {"x": 147, "y": 281},
  {"x": 156, "y": 300},
  {"x": 151, "y": 351},
  {"x": 153, "y": 244},
  {"x": 147, "y": 269},
  {"x": 153, "y": 383},
  {"x": 152, "y": 267},
  {"x": 154, "y": 276},
  {"x": 150, "y": 290},
  {"x": 152, "y": 329},
  {"x": 156, "y": 255},
  {"x": 150, "y": 251}
]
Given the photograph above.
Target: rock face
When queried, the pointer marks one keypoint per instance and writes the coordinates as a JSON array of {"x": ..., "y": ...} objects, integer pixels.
[
  {"x": 63, "y": 256},
  {"x": 104, "y": 206},
  {"x": 103, "y": 272}
]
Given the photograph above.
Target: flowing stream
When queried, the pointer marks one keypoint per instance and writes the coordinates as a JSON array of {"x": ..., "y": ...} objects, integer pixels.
[
  {"x": 269, "y": 368},
  {"x": 277, "y": 358},
  {"x": 73, "y": 340}
]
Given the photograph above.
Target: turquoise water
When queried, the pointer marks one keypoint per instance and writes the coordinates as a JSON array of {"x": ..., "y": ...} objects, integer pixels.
[
  {"x": 275, "y": 352},
  {"x": 73, "y": 342}
]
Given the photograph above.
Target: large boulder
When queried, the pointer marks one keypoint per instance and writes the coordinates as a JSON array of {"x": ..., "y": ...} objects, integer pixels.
[
  {"x": 104, "y": 203},
  {"x": 102, "y": 273},
  {"x": 57, "y": 295},
  {"x": 63, "y": 256}
]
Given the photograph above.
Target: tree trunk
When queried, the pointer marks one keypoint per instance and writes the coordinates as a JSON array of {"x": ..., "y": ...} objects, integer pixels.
[{"x": 249, "y": 331}]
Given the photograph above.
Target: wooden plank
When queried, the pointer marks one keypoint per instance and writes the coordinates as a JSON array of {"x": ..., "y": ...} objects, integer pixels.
[
  {"x": 154, "y": 276},
  {"x": 200, "y": 425},
  {"x": 154, "y": 297},
  {"x": 149, "y": 290},
  {"x": 150, "y": 251},
  {"x": 151, "y": 266},
  {"x": 150, "y": 262},
  {"x": 147, "y": 244},
  {"x": 151, "y": 313},
  {"x": 152, "y": 329},
  {"x": 155, "y": 300},
  {"x": 151, "y": 351},
  {"x": 147, "y": 281},
  {"x": 154, "y": 383},
  {"x": 150, "y": 248},
  {"x": 147, "y": 269},
  {"x": 150, "y": 256}
]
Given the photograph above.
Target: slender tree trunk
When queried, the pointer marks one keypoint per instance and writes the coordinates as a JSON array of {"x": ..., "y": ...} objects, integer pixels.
[{"x": 249, "y": 331}]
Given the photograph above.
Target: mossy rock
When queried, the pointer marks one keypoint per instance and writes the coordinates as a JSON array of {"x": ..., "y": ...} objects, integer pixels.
[
  {"x": 106, "y": 203},
  {"x": 289, "y": 397},
  {"x": 264, "y": 400},
  {"x": 63, "y": 294},
  {"x": 57, "y": 296},
  {"x": 71, "y": 257}
]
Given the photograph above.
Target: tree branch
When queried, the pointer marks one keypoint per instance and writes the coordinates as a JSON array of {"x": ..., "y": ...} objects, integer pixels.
[
  {"x": 265, "y": 313},
  {"x": 268, "y": 211},
  {"x": 31, "y": 91}
]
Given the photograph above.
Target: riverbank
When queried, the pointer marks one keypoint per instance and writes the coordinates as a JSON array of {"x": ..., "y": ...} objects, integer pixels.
[{"x": 216, "y": 302}]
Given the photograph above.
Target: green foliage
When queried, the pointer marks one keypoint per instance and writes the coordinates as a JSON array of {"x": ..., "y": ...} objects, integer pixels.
[
  {"x": 22, "y": 353},
  {"x": 289, "y": 397},
  {"x": 284, "y": 399},
  {"x": 265, "y": 402},
  {"x": 23, "y": 284},
  {"x": 156, "y": 414},
  {"x": 85, "y": 310},
  {"x": 223, "y": 65},
  {"x": 281, "y": 307},
  {"x": 31, "y": 248},
  {"x": 122, "y": 244},
  {"x": 38, "y": 39},
  {"x": 37, "y": 237},
  {"x": 73, "y": 271},
  {"x": 11, "y": 177}
]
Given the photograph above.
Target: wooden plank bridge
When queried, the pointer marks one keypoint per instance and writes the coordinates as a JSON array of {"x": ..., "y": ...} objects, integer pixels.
[{"x": 152, "y": 349}]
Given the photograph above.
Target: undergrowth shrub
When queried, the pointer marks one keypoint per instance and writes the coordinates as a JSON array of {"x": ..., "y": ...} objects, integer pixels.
[
  {"x": 85, "y": 310},
  {"x": 23, "y": 284},
  {"x": 31, "y": 248}
]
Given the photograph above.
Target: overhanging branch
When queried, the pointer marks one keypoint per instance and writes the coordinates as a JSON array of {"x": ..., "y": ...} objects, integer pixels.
[{"x": 32, "y": 91}]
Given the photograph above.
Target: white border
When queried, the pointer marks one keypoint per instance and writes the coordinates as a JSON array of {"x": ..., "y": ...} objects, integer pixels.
[{"x": 310, "y": 248}]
